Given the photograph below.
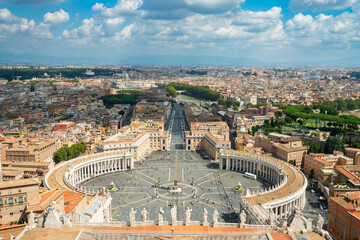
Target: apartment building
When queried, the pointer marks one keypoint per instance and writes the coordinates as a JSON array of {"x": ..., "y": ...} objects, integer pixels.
[
  {"x": 323, "y": 165},
  {"x": 37, "y": 150},
  {"x": 282, "y": 146},
  {"x": 353, "y": 153},
  {"x": 345, "y": 179},
  {"x": 344, "y": 216},
  {"x": 208, "y": 136},
  {"x": 139, "y": 137},
  {"x": 15, "y": 196}
]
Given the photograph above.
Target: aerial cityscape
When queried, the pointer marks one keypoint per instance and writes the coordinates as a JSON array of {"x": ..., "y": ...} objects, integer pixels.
[{"x": 188, "y": 119}]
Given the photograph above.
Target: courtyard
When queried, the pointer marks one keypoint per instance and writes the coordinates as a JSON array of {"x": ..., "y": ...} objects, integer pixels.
[{"x": 203, "y": 186}]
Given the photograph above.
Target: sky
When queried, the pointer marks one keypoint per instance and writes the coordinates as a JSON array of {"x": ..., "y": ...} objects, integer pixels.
[{"x": 180, "y": 32}]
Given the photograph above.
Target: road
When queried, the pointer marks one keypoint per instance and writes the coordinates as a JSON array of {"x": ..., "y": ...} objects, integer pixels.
[
  {"x": 312, "y": 207},
  {"x": 176, "y": 126}
]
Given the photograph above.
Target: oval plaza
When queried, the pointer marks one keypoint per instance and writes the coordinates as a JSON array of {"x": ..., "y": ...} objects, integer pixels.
[{"x": 138, "y": 170}]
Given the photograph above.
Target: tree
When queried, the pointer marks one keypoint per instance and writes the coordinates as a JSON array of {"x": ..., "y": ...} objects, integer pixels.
[
  {"x": 171, "y": 91},
  {"x": 292, "y": 162},
  {"x": 121, "y": 112},
  {"x": 334, "y": 144},
  {"x": 278, "y": 114}
]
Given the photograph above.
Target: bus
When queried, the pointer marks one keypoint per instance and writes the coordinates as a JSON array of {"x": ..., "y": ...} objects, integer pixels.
[{"x": 250, "y": 175}]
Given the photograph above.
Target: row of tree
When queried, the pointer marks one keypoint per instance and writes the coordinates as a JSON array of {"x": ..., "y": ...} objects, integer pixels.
[
  {"x": 67, "y": 153},
  {"x": 201, "y": 92},
  {"x": 124, "y": 98},
  {"x": 303, "y": 113},
  {"x": 329, "y": 146},
  {"x": 31, "y": 72}
]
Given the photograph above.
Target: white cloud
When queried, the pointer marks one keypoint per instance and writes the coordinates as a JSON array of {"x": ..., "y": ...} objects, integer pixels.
[
  {"x": 11, "y": 25},
  {"x": 324, "y": 29},
  {"x": 212, "y": 4},
  {"x": 122, "y": 7},
  {"x": 6, "y": 16},
  {"x": 31, "y": 2},
  {"x": 114, "y": 21},
  {"x": 321, "y": 4},
  {"x": 56, "y": 17},
  {"x": 125, "y": 33}
]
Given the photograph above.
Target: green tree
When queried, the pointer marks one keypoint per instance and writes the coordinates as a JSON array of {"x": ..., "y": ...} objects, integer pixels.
[
  {"x": 334, "y": 144},
  {"x": 171, "y": 91},
  {"x": 292, "y": 162}
]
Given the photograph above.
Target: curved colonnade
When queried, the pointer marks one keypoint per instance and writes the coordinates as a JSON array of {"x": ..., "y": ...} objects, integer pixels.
[
  {"x": 289, "y": 183},
  {"x": 287, "y": 192},
  {"x": 86, "y": 167}
]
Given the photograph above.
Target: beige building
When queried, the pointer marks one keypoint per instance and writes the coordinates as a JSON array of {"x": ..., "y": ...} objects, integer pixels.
[
  {"x": 208, "y": 136},
  {"x": 282, "y": 146},
  {"x": 15, "y": 196},
  {"x": 34, "y": 151},
  {"x": 353, "y": 153},
  {"x": 323, "y": 165},
  {"x": 139, "y": 137}
]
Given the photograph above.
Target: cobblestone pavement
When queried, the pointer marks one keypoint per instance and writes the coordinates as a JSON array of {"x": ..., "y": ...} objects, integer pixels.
[{"x": 203, "y": 186}]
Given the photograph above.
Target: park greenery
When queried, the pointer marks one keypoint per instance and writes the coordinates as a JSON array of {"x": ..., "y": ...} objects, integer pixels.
[
  {"x": 273, "y": 125},
  {"x": 123, "y": 98},
  {"x": 35, "y": 72},
  {"x": 130, "y": 91},
  {"x": 355, "y": 75},
  {"x": 305, "y": 116},
  {"x": 67, "y": 153},
  {"x": 329, "y": 146},
  {"x": 200, "y": 92}
]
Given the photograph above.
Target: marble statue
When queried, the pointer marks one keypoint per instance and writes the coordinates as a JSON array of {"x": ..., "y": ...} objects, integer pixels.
[
  {"x": 32, "y": 219},
  {"x": 173, "y": 214},
  {"x": 205, "y": 216},
  {"x": 132, "y": 217},
  {"x": 161, "y": 216},
  {"x": 297, "y": 223},
  {"x": 215, "y": 216},
  {"x": 144, "y": 214},
  {"x": 76, "y": 215},
  {"x": 242, "y": 217},
  {"x": 67, "y": 220},
  {"x": 188, "y": 216},
  {"x": 40, "y": 221},
  {"x": 272, "y": 218},
  {"x": 53, "y": 217},
  {"x": 319, "y": 222},
  {"x": 106, "y": 215}
]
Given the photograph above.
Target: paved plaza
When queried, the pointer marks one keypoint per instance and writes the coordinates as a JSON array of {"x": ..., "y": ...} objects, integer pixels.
[{"x": 203, "y": 186}]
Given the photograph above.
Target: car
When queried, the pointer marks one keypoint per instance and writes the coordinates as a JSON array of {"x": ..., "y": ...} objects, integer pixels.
[
  {"x": 321, "y": 207},
  {"x": 312, "y": 190}
]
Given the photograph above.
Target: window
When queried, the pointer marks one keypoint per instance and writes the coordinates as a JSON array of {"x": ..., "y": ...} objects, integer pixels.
[
  {"x": 352, "y": 232},
  {"x": 19, "y": 190},
  {"x": 1, "y": 202},
  {"x": 9, "y": 191},
  {"x": 11, "y": 201},
  {"x": 20, "y": 199},
  {"x": 11, "y": 214}
]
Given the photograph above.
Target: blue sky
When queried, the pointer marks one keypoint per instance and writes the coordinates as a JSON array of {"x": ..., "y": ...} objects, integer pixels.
[{"x": 179, "y": 31}]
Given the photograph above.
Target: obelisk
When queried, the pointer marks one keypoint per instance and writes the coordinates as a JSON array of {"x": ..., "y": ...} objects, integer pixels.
[{"x": 175, "y": 174}]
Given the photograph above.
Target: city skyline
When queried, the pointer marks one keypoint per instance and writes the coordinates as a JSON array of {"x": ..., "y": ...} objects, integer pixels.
[{"x": 187, "y": 32}]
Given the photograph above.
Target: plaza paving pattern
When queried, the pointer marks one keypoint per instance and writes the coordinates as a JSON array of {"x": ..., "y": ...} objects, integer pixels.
[{"x": 203, "y": 184}]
